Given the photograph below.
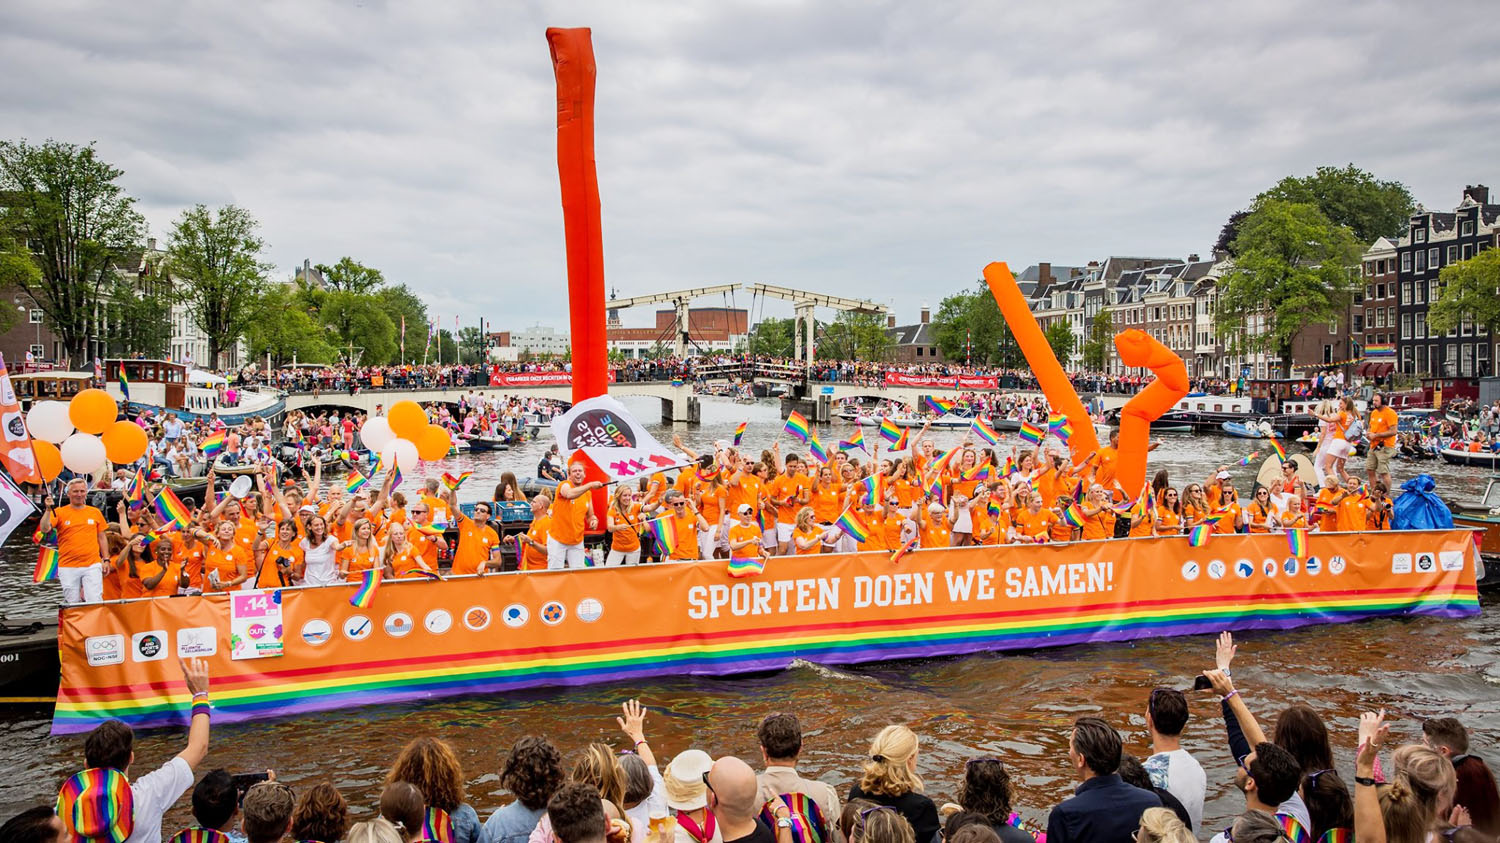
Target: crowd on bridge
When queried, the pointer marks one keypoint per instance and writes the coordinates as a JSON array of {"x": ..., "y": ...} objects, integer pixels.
[{"x": 1429, "y": 786}]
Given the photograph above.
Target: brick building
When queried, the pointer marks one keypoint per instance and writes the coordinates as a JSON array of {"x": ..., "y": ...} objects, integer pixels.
[
  {"x": 1434, "y": 240},
  {"x": 913, "y": 343}
]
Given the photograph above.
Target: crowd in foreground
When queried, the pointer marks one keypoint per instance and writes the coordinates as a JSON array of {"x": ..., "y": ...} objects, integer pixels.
[{"x": 1429, "y": 788}]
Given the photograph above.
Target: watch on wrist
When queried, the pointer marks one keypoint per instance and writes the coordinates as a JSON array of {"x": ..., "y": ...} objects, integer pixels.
[{"x": 784, "y": 822}]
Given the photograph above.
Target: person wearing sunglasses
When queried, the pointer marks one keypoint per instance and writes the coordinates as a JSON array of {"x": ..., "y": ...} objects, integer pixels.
[{"x": 685, "y": 519}]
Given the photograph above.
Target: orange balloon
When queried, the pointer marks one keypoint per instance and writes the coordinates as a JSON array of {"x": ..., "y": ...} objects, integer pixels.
[
  {"x": 92, "y": 411},
  {"x": 408, "y": 420},
  {"x": 434, "y": 443},
  {"x": 48, "y": 459},
  {"x": 124, "y": 442}
]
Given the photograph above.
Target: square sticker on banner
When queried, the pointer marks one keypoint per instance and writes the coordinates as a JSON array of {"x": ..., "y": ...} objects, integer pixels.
[
  {"x": 1426, "y": 563},
  {"x": 149, "y": 646},
  {"x": 14, "y": 426},
  {"x": 197, "y": 642},
  {"x": 1401, "y": 563},
  {"x": 103, "y": 650},
  {"x": 1451, "y": 560}
]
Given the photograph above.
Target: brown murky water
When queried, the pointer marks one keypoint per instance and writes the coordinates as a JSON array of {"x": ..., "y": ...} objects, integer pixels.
[{"x": 1014, "y": 706}]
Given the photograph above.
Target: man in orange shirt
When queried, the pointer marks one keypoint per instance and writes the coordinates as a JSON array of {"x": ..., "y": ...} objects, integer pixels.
[
  {"x": 1105, "y": 461},
  {"x": 478, "y": 543},
  {"x": 790, "y": 491},
  {"x": 572, "y": 512},
  {"x": 1382, "y": 435},
  {"x": 1325, "y": 507},
  {"x": 534, "y": 540},
  {"x": 685, "y": 522},
  {"x": 1352, "y": 515},
  {"x": 81, "y": 546}
]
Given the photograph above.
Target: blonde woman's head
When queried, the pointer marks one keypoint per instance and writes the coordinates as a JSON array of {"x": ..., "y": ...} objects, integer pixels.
[
  {"x": 1161, "y": 825},
  {"x": 891, "y": 769},
  {"x": 805, "y": 518}
]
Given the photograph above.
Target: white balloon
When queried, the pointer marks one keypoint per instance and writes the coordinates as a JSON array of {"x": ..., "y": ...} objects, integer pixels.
[
  {"x": 399, "y": 452},
  {"x": 83, "y": 453},
  {"x": 376, "y": 433},
  {"x": 49, "y": 422}
]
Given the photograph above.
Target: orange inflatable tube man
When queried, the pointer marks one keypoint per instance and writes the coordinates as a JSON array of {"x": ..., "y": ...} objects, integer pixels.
[{"x": 1138, "y": 348}]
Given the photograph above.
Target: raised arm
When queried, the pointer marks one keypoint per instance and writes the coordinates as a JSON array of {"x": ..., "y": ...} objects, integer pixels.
[
  {"x": 1369, "y": 822},
  {"x": 195, "y": 674}
]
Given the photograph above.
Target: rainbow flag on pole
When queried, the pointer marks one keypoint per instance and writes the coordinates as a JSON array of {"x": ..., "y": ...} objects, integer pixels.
[
  {"x": 355, "y": 482},
  {"x": 1296, "y": 539},
  {"x": 941, "y": 406},
  {"x": 362, "y": 596},
  {"x": 901, "y": 444},
  {"x": 873, "y": 493},
  {"x": 816, "y": 448},
  {"x": 889, "y": 431},
  {"x": 172, "y": 510},
  {"x": 739, "y": 433},
  {"x": 983, "y": 430},
  {"x": 212, "y": 445},
  {"x": 935, "y": 491},
  {"x": 453, "y": 482},
  {"x": 978, "y": 472},
  {"x": 796, "y": 425},
  {"x": 1276, "y": 446},
  {"x": 1031, "y": 433},
  {"x": 855, "y": 442},
  {"x": 851, "y": 523},
  {"x": 665, "y": 533},
  {"x": 746, "y": 566},
  {"x": 124, "y": 383},
  {"x": 1199, "y": 536},
  {"x": 46, "y": 565},
  {"x": 1073, "y": 515},
  {"x": 1055, "y": 421},
  {"x": 1064, "y": 431}
]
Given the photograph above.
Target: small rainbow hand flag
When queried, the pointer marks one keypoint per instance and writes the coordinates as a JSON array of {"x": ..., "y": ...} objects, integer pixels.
[
  {"x": 871, "y": 490},
  {"x": 993, "y": 508},
  {"x": 124, "y": 384},
  {"x": 395, "y": 477},
  {"x": 706, "y": 476},
  {"x": 1010, "y": 466},
  {"x": 665, "y": 532},
  {"x": 454, "y": 482},
  {"x": 816, "y": 448},
  {"x": 851, "y": 523},
  {"x": 355, "y": 482},
  {"x": 1073, "y": 515},
  {"x": 1296, "y": 539},
  {"x": 429, "y": 529},
  {"x": 935, "y": 491},
  {"x": 362, "y": 596},
  {"x": 1244, "y": 461},
  {"x": 1199, "y": 536},
  {"x": 46, "y": 565},
  {"x": 983, "y": 430},
  {"x": 901, "y": 444},
  {"x": 796, "y": 425},
  {"x": 172, "y": 510},
  {"x": 905, "y": 549},
  {"x": 746, "y": 566},
  {"x": 940, "y": 406},
  {"x": 1276, "y": 446},
  {"x": 1064, "y": 431},
  {"x": 978, "y": 472},
  {"x": 1056, "y": 421},
  {"x": 854, "y": 443},
  {"x": 135, "y": 490},
  {"x": 213, "y": 445},
  {"x": 1031, "y": 433},
  {"x": 48, "y": 538},
  {"x": 739, "y": 433},
  {"x": 890, "y": 432}
]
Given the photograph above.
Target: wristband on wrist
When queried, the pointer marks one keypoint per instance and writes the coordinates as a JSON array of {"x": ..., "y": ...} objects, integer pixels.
[
  {"x": 1232, "y": 693},
  {"x": 639, "y": 742},
  {"x": 202, "y": 708},
  {"x": 1366, "y": 781},
  {"x": 203, "y": 694}
]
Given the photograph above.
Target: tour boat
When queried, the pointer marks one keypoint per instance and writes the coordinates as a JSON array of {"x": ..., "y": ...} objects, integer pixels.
[
  {"x": 52, "y": 385},
  {"x": 28, "y": 649},
  {"x": 956, "y": 419},
  {"x": 1249, "y": 430},
  {"x": 1204, "y": 412},
  {"x": 1483, "y": 515},
  {"x": 159, "y": 386},
  {"x": 1474, "y": 459}
]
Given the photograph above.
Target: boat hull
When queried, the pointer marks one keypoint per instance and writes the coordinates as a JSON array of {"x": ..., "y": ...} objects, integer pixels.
[
  {"x": 28, "y": 653},
  {"x": 270, "y": 412},
  {"x": 1473, "y": 459}
]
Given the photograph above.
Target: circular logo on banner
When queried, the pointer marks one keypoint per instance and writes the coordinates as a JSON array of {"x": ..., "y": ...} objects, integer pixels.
[
  {"x": 1336, "y": 564},
  {"x": 1216, "y": 569},
  {"x": 15, "y": 427},
  {"x": 515, "y": 616},
  {"x": 316, "y": 631},
  {"x": 1312, "y": 565},
  {"x": 1290, "y": 566},
  {"x": 1268, "y": 567},
  {"x": 477, "y": 618},
  {"x": 553, "y": 613},
  {"x": 148, "y": 646},
  {"x": 438, "y": 621},
  {"x": 589, "y": 610},
  {"x": 398, "y": 624},
  {"x": 1190, "y": 571},
  {"x": 600, "y": 429},
  {"x": 1244, "y": 569},
  {"x": 1424, "y": 563},
  {"x": 357, "y": 628}
]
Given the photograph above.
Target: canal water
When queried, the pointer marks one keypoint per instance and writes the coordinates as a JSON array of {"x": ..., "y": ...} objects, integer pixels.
[{"x": 1016, "y": 706}]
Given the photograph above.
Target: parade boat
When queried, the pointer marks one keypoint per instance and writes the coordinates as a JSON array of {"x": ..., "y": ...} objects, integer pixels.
[
  {"x": 486, "y": 443},
  {"x": 159, "y": 386},
  {"x": 55, "y": 385},
  {"x": 1473, "y": 459},
  {"x": 1483, "y": 515},
  {"x": 28, "y": 650},
  {"x": 961, "y": 417}
]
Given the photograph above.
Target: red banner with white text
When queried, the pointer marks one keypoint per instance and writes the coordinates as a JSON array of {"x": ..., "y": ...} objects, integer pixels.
[{"x": 499, "y": 378}]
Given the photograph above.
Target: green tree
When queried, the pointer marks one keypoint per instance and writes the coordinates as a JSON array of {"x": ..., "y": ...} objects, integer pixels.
[
  {"x": 140, "y": 322},
  {"x": 1351, "y": 197},
  {"x": 287, "y": 331},
  {"x": 1295, "y": 268},
  {"x": 1468, "y": 290},
  {"x": 215, "y": 257},
  {"x": 1061, "y": 338},
  {"x": 350, "y": 276},
  {"x": 972, "y": 319},
  {"x": 17, "y": 272},
  {"x": 1101, "y": 334},
  {"x": 448, "y": 347},
  {"x": 470, "y": 344},
  {"x": 855, "y": 336},
  {"x": 773, "y": 337},
  {"x": 359, "y": 328},
  {"x": 78, "y": 223},
  {"x": 401, "y": 304}
]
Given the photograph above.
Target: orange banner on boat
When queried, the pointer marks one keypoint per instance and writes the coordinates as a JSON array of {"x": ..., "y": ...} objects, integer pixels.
[{"x": 421, "y": 639}]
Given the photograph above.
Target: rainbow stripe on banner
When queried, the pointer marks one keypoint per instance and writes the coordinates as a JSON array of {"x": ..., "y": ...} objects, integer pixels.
[
  {"x": 890, "y": 432},
  {"x": 796, "y": 425},
  {"x": 1377, "y": 351},
  {"x": 746, "y": 566},
  {"x": 362, "y": 596},
  {"x": 1031, "y": 433},
  {"x": 213, "y": 445},
  {"x": 739, "y": 433},
  {"x": 941, "y": 406},
  {"x": 1199, "y": 536},
  {"x": 1128, "y": 589},
  {"x": 665, "y": 533},
  {"x": 816, "y": 449},
  {"x": 46, "y": 565},
  {"x": 851, "y": 523},
  {"x": 1296, "y": 541},
  {"x": 983, "y": 430},
  {"x": 172, "y": 510}
]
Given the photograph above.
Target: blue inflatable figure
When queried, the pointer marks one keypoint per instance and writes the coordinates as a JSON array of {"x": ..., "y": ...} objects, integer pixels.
[{"x": 1419, "y": 509}]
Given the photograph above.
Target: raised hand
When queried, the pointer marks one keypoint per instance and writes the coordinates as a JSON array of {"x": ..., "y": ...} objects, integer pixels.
[
  {"x": 1224, "y": 651},
  {"x": 633, "y": 720}
]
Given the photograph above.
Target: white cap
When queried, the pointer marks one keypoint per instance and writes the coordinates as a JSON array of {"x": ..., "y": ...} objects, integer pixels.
[
  {"x": 1223, "y": 475},
  {"x": 744, "y": 509}
]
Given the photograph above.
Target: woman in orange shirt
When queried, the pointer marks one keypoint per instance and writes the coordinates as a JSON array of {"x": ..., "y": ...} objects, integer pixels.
[
  {"x": 282, "y": 560},
  {"x": 1378, "y": 508},
  {"x": 1169, "y": 514},
  {"x": 1033, "y": 524},
  {"x": 1195, "y": 506},
  {"x": 362, "y": 554},
  {"x": 132, "y": 559},
  {"x": 623, "y": 521},
  {"x": 1325, "y": 506},
  {"x": 401, "y": 559},
  {"x": 226, "y": 563},
  {"x": 1261, "y": 516},
  {"x": 807, "y": 537},
  {"x": 1098, "y": 518},
  {"x": 827, "y": 497}
]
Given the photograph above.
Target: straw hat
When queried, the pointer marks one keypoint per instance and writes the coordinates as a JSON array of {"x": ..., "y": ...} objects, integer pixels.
[{"x": 684, "y": 780}]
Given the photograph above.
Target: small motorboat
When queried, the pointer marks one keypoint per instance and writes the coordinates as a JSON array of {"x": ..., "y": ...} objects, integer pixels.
[
  {"x": 535, "y": 485},
  {"x": 1249, "y": 430},
  {"x": 28, "y": 649},
  {"x": 1474, "y": 459},
  {"x": 1483, "y": 515},
  {"x": 488, "y": 443}
]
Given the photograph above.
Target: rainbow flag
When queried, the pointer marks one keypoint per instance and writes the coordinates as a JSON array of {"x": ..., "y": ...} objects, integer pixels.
[
  {"x": 905, "y": 549},
  {"x": 454, "y": 482},
  {"x": 1064, "y": 431},
  {"x": 901, "y": 444},
  {"x": 760, "y": 519},
  {"x": 430, "y": 529},
  {"x": 355, "y": 482},
  {"x": 46, "y": 565},
  {"x": 797, "y": 426},
  {"x": 1031, "y": 433},
  {"x": 816, "y": 448},
  {"x": 1056, "y": 421},
  {"x": 978, "y": 472},
  {"x": 746, "y": 566},
  {"x": 135, "y": 490},
  {"x": 1073, "y": 515},
  {"x": 851, "y": 523},
  {"x": 1378, "y": 350},
  {"x": 1244, "y": 461},
  {"x": 706, "y": 477},
  {"x": 124, "y": 384},
  {"x": 665, "y": 532},
  {"x": 362, "y": 596},
  {"x": 983, "y": 430},
  {"x": 1010, "y": 466},
  {"x": 172, "y": 510},
  {"x": 938, "y": 405},
  {"x": 890, "y": 432},
  {"x": 993, "y": 508},
  {"x": 1296, "y": 539},
  {"x": 1199, "y": 536},
  {"x": 1276, "y": 446},
  {"x": 872, "y": 490},
  {"x": 395, "y": 477},
  {"x": 47, "y": 538},
  {"x": 935, "y": 491},
  {"x": 739, "y": 433},
  {"x": 212, "y": 445},
  {"x": 855, "y": 442}
]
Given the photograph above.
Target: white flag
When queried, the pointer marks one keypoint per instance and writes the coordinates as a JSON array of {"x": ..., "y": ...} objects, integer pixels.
[
  {"x": 608, "y": 435},
  {"x": 15, "y": 507}
]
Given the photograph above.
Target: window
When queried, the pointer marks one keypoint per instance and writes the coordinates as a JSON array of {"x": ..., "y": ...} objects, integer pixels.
[
  {"x": 1359, "y": 323},
  {"x": 1406, "y": 261},
  {"x": 1466, "y": 361},
  {"x": 35, "y": 351},
  {"x": 1466, "y": 326},
  {"x": 1406, "y": 326},
  {"x": 1379, "y": 291},
  {"x": 1467, "y": 228},
  {"x": 1433, "y": 290},
  {"x": 1482, "y": 358},
  {"x": 1468, "y": 251},
  {"x": 1421, "y": 261},
  {"x": 1419, "y": 322},
  {"x": 1406, "y": 292},
  {"x": 1327, "y": 356},
  {"x": 1452, "y": 254},
  {"x": 919, "y": 351},
  {"x": 36, "y": 316},
  {"x": 1450, "y": 359},
  {"x": 1418, "y": 235},
  {"x": 1406, "y": 361},
  {"x": 1390, "y": 318},
  {"x": 1433, "y": 257},
  {"x": 1369, "y": 268},
  {"x": 1422, "y": 358}
]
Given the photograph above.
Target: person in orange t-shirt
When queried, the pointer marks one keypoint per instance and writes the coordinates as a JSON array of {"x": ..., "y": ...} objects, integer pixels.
[
  {"x": 226, "y": 563},
  {"x": 362, "y": 555},
  {"x": 1378, "y": 507},
  {"x": 623, "y": 522},
  {"x": 1352, "y": 514},
  {"x": 283, "y": 559},
  {"x": 1229, "y": 507},
  {"x": 1033, "y": 524},
  {"x": 1168, "y": 521},
  {"x": 534, "y": 541},
  {"x": 686, "y": 522},
  {"x": 807, "y": 536},
  {"x": 572, "y": 514},
  {"x": 1325, "y": 506},
  {"x": 745, "y": 536},
  {"x": 1260, "y": 516},
  {"x": 81, "y": 546},
  {"x": 789, "y": 492},
  {"x": 1098, "y": 518},
  {"x": 478, "y": 543},
  {"x": 933, "y": 530}
]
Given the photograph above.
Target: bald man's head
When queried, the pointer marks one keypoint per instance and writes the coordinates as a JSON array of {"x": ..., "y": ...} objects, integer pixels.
[{"x": 735, "y": 789}]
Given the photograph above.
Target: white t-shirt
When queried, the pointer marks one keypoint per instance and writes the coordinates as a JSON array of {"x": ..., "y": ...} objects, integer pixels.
[
  {"x": 153, "y": 794},
  {"x": 655, "y": 803},
  {"x": 322, "y": 563},
  {"x": 1180, "y": 774}
]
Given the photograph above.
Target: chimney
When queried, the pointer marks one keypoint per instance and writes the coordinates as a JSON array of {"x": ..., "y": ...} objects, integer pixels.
[
  {"x": 890, "y": 320},
  {"x": 1043, "y": 273},
  {"x": 1478, "y": 192},
  {"x": 1193, "y": 258},
  {"x": 925, "y": 315},
  {"x": 150, "y": 244}
]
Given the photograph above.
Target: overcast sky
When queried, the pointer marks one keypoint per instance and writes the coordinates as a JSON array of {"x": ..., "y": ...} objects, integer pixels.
[{"x": 880, "y": 150}]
